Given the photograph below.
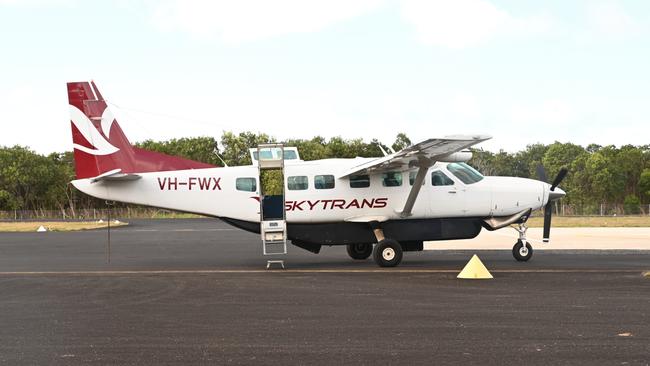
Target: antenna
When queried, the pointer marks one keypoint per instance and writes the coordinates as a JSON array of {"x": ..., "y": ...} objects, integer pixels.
[
  {"x": 216, "y": 152},
  {"x": 382, "y": 149}
]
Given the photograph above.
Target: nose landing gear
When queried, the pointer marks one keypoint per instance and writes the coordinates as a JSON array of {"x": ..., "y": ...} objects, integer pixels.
[{"x": 522, "y": 250}]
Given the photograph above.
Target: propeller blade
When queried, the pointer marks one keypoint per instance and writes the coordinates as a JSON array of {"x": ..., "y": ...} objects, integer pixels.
[
  {"x": 560, "y": 175},
  {"x": 541, "y": 173},
  {"x": 548, "y": 213}
]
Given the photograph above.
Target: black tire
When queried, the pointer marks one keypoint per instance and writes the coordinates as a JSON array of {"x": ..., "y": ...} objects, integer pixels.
[
  {"x": 359, "y": 251},
  {"x": 521, "y": 254},
  {"x": 388, "y": 253}
]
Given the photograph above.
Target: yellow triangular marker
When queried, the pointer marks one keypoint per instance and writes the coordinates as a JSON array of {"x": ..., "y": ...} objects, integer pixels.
[{"x": 474, "y": 270}]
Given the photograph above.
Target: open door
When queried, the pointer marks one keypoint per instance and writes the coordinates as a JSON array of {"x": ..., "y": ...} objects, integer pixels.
[{"x": 270, "y": 161}]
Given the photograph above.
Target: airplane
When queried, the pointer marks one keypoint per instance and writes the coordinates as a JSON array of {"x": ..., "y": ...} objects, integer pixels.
[{"x": 379, "y": 207}]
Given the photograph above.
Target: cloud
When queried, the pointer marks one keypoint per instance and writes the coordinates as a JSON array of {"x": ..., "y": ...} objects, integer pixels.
[
  {"x": 549, "y": 112},
  {"x": 250, "y": 20},
  {"x": 35, "y": 3},
  {"x": 44, "y": 128},
  {"x": 609, "y": 18},
  {"x": 465, "y": 23}
]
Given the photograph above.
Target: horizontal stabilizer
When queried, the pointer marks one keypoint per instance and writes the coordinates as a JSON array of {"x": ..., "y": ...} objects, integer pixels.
[{"x": 115, "y": 175}]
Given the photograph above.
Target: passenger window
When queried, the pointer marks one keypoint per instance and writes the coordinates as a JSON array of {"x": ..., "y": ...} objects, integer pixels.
[
  {"x": 324, "y": 181},
  {"x": 246, "y": 184},
  {"x": 392, "y": 179},
  {"x": 359, "y": 181},
  {"x": 412, "y": 176},
  {"x": 439, "y": 178},
  {"x": 298, "y": 183}
]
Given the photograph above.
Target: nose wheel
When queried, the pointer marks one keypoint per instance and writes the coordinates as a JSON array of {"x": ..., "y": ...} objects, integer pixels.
[{"x": 522, "y": 250}]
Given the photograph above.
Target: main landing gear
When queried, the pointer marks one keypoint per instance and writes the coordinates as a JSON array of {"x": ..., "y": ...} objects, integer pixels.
[
  {"x": 522, "y": 250},
  {"x": 386, "y": 253},
  {"x": 359, "y": 251}
]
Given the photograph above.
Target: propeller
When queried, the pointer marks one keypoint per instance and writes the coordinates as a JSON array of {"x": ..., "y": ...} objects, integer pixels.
[{"x": 552, "y": 196}]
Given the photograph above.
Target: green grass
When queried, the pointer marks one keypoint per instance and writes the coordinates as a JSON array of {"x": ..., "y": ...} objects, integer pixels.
[
  {"x": 32, "y": 226},
  {"x": 593, "y": 221},
  {"x": 175, "y": 215}
]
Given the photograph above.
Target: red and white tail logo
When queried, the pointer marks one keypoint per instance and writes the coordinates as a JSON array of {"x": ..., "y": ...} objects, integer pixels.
[
  {"x": 99, "y": 141},
  {"x": 101, "y": 146}
]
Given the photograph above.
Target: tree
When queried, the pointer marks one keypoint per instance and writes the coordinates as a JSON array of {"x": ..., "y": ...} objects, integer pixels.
[
  {"x": 203, "y": 149},
  {"x": 628, "y": 161},
  {"x": 597, "y": 174},
  {"x": 483, "y": 161},
  {"x": 644, "y": 185},
  {"x": 236, "y": 147},
  {"x": 32, "y": 181},
  {"x": 313, "y": 149},
  {"x": 603, "y": 181},
  {"x": 526, "y": 161},
  {"x": 401, "y": 141},
  {"x": 563, "y": 155},
  {"x": 631, "y": 205}
]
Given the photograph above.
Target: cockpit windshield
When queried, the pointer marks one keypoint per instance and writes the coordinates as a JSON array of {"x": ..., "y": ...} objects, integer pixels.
[{"x": 465, "y": 173}]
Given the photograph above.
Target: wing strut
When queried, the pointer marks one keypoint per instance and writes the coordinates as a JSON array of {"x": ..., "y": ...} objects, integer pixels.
[{"x": 423, "y": 166}]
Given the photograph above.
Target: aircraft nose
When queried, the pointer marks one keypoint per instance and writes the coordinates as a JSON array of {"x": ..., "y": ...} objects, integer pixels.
[{"x": 556, "y": 194}]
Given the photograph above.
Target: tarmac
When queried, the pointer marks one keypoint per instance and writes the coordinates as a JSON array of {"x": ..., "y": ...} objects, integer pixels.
[
  {"x": 562, "y": 238},
  {"x": 196, "y": 292}
]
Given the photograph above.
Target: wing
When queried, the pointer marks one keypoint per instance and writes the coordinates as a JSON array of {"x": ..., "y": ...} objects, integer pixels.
[{"x": 430, "y": 150}]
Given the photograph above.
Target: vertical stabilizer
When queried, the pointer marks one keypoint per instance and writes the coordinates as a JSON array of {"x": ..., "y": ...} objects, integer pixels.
[{"x": 101, "y": 146}]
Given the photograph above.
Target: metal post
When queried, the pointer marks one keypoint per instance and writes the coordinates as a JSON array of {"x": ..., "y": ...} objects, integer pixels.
[{"x": 108, "y": 244}]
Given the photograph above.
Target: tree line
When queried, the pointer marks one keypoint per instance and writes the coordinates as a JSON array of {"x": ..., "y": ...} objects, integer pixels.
[{"x": 597, "y": 174}]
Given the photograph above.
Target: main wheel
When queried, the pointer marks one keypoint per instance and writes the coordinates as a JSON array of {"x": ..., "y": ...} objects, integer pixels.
[
  {"x": 359, "y": 251},
  {"x": 522, "y": 253},
  {"x": 388, "y": 253}
]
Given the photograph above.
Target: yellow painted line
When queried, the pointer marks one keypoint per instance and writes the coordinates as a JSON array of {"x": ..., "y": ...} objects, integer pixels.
[{"x": 245, "y": 271}]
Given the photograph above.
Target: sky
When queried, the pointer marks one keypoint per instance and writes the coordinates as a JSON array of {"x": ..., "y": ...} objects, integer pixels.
[{"x": 521, "y": 71}]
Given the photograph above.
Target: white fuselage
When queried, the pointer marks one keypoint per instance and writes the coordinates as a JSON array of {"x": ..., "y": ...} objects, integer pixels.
[{"x": 213, "y": 192}]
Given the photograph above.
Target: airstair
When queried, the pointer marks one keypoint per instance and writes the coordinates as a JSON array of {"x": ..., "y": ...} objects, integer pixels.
[{"x": 273, "y": 228}]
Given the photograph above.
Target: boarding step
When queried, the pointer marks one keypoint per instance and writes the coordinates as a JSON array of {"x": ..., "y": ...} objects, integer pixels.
[
  {"x": 275, "y": 248},
  {"x": 274, "y": 237}
]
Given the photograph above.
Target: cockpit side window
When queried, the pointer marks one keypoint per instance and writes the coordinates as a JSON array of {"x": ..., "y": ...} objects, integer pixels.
[
  {"x": 465, "y": 173},
  {"x": 439, "y": 178}
]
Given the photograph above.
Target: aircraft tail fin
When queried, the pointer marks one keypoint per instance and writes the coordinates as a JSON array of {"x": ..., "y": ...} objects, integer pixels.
[{"x": 101, "y": 146}]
